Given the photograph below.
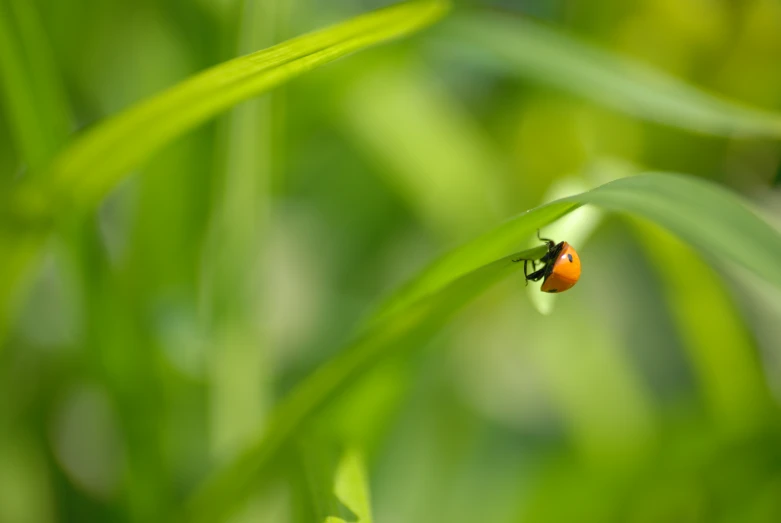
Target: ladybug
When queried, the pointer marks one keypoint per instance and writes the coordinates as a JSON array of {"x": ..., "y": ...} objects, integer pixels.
[{"x": 561, "y": 267}]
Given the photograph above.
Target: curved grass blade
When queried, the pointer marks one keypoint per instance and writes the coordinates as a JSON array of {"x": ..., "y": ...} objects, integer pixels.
[
  {"x": 478, "y": 252},
  {"x": 706, "y": 216},
  {"x": 523, "y": 48},
  {"x": 92, "y": 165},
  {"x": 82, "y": 174},
  {"x": 700, "y": 213},
  {"x": 406, "y": 329}
]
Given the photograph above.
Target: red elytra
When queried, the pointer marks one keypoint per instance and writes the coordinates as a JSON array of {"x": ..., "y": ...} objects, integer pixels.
[
  {"x": 561, "y": 267},
  {"x": 565, "y": 272}
]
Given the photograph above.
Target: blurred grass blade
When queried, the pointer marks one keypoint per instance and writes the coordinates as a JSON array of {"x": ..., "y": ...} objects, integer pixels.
[
  {"x": 18, "y": 252},
  {"x": 478, "y": 252},
  {"x": 241, "y": 366},
  {"x": 523, "y": 48},
  {"x": 448, "y": 170},
  {"x": 717, "y": 341},
  {"x": 407, "y": 329},
  {"x": 33, "y": 93},
  {"x": 351, "y": 487},
  {"x": 335, "y": 485},
  {"x": 83, "y": 173},
  {"x": 700, "y": 213},
  {"x": 90, "y": 167}
]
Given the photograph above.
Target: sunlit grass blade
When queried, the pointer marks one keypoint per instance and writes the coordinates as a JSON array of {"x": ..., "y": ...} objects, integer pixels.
[
  {"x": 96, "y": 161},
  {"x": 334, "y": 482},
  {"x": 351, "y": 487},
  {"x": 33, "y": 94},
  {"x": 86, "y": 170},
  {"x": 700, "y": 213},
  {"x": 522, "y": 48},
  {"x": 491, "y": 245}
]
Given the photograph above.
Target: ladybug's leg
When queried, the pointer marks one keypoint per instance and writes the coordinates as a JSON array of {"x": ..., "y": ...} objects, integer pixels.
[
  {"x": 536, "y": 275},
  {"x": 546, "y": 240},
  {"x": 525, "y": 272}
]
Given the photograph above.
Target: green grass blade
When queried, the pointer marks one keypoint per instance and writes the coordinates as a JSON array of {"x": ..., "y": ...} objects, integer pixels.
[
  {"x": 523, "y": 48},
  {"x": 240, "y": 371},
  {"x": 480, "y": 251},
  {"x": 33, "y": 93},
  {"x": 334, "y": 482},
  {"x": 700, "y": 213},
  {"x": 18, "y": 251},
  {"x": 449, "y": 173},
  {"x": 716, "y": 339},
  {"x": 83, "y": 173},
  {"x": 92, "y": 165},
  {"x": 351, "y": 487},
  {"x": 224, "y": 491}
]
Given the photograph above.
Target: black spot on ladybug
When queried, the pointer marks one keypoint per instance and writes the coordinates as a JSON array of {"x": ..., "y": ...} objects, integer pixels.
[
  {"x": 570, "y": 257},
  {"x": 553, "y": 290}
]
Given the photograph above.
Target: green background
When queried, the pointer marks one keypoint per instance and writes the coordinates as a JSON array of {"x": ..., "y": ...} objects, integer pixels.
[{"x": 156, "y": 331}]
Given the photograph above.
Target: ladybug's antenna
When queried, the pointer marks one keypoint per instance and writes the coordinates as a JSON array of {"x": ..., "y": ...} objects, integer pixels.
[{"x": 550, "y": 242}]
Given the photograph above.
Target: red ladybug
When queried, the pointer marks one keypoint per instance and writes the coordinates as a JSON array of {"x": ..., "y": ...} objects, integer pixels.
[{"x": 561, "y": 267}]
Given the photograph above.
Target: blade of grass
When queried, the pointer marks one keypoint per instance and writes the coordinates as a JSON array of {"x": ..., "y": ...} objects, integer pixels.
[
  {"x": 519, "y": 47},
  {"x": 334, "y": 482},
  {"x": 448, "y": 172},
  {"x": 351, "y": 487},
  {"x": 223, "y": 492},
  {"x": 702, "y": 214},
  {"x": 706, "y": 216},
  {"x": 240, "y": 366},
  {"x": 18, "y": 253},
  {"x": 95, "y": 162},
  {"x": 34, "y": 95},
  {"x": 82, "y": 174},
  {"x": 717, "y": 341},
  {"x": 39, "y": 119},
  {"x": 478, "y": 252}
]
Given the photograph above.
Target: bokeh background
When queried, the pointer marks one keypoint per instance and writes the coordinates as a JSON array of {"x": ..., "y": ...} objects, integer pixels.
[{"x": 158, "y": 332}]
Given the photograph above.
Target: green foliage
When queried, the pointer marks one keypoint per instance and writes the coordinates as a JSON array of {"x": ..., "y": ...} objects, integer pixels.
[
  {"x": 530, "y": 50},
  {"x": 352, "y": 488},
  {"x": 183, "y": 307},
  {"x": 33, "y": 91},
  {"x": 88, "y": 168},
  {"x": 426, "y": 304},
  {"x": 701, "y": 214}
]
